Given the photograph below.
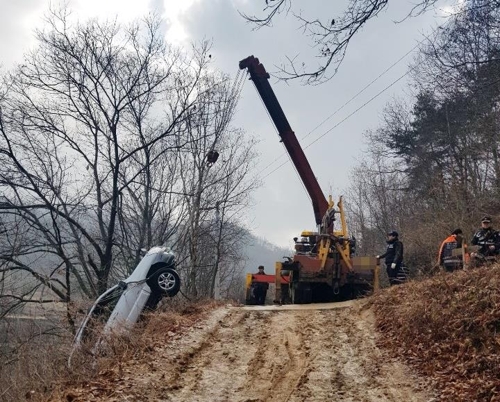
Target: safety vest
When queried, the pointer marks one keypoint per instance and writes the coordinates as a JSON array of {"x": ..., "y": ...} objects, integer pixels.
[{"x": 446, "y": 250}]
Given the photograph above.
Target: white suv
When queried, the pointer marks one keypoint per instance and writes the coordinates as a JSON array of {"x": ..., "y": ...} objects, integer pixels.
[{"x": 154, "y": 278}]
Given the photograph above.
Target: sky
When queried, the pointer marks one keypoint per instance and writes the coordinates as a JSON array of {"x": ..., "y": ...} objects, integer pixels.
[{"x": 281, "y": 208}]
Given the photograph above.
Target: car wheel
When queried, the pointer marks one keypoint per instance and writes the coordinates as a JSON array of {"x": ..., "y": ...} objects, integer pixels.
[{"x": 165, "y": 281}]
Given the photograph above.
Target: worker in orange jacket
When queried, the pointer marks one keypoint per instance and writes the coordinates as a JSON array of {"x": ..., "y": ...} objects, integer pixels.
[{"x": 446, "y": 258}]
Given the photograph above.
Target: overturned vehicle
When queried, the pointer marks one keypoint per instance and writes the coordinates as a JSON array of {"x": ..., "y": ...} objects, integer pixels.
[{"x": 121, "y": 306}]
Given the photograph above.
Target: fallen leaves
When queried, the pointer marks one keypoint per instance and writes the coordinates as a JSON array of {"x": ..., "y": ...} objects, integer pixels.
[{"x": 448, "y": 327}]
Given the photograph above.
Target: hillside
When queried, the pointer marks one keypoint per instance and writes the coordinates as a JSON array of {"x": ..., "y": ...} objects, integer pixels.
[
  {"x": 257, "y": 354},
  {"x": 436, "y": 339},
  {"x": 448, "y": 327}
]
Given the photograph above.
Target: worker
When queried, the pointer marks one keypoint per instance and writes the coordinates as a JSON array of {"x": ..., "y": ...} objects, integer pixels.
[
  {"x": 446, "y": 258},
  {"x": 488, "y": 240},
  {"x": 259, "y": 289},
  {"x": 393, "y": 257}
]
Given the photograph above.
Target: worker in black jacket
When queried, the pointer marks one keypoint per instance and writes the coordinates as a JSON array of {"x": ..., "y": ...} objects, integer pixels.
[
  {"x": 488, "y": 240},
  {"x": 393, "y": 257},
  {"x": 259, "y": 289}
]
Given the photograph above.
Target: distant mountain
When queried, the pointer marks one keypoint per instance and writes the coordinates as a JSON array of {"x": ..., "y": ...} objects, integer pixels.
[{"x": 261, "y": 252}]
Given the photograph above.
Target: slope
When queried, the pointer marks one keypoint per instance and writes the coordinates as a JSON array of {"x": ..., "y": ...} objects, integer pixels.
[
  {"x": 448, "y": 327},
  {"x": 235, "y": 354}
]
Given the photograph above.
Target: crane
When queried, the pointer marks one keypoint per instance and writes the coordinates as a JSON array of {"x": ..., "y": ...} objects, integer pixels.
[{"x": 323, "y": 267}]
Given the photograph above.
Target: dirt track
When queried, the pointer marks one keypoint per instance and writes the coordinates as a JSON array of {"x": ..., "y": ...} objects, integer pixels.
[{"x": 254, "y": 355}]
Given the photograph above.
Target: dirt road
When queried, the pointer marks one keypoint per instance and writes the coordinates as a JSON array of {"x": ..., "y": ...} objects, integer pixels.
[{"x": 278, "y": 355}]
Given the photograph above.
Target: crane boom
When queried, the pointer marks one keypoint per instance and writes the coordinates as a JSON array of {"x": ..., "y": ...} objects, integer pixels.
[{"x": 260, "y": 77}]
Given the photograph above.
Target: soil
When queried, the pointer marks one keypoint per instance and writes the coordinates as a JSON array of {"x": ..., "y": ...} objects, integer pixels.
[{"x": 256, "y": 354}]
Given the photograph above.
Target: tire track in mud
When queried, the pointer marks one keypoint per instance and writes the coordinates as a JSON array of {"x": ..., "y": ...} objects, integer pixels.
[
  {"x": 275, "y": 356},
  {"x": 328, "y": 376},
  {"x": 219, "y": 368},
  {"x": 347, "y": 366},
  {"x": 274, "y": 368}
]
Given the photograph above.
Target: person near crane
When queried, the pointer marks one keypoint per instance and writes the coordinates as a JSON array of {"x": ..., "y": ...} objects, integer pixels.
[
  {"x": 259, "y": 289},
  {"x": 488, "y": 241},
  {"x": 447, "y": 258},
  {"x": 393, "y": 257}
]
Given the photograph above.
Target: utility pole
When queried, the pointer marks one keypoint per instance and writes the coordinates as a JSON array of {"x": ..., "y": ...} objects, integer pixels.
[
  {"x": 217, "y": 251},
  {"x": 211, "y": 158}
]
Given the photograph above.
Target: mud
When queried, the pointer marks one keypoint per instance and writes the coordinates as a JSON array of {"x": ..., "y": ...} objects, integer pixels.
[{"x": 286, "y": 355}]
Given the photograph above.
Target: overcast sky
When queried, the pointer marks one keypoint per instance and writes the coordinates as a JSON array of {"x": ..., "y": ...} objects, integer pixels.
[{"x": 281, "y": 208}]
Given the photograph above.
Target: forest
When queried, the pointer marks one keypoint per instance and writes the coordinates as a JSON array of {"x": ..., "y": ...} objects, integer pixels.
[{"x": 433, "y": 163}]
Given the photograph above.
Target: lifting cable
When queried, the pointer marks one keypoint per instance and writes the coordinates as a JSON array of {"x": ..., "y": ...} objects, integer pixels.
[
  {"x": 236, "y": 90},
  {"x": 234, "y": 97}
]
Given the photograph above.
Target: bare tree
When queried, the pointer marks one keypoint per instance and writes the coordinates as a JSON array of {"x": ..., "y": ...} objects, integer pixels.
[
  {"x": 234, "y": 183},
  {"x": 224, "y": 185},
  {"x": 331, "y": 35},
  {"x": 454, "y": 57},
  {"x": 87, "y": 116},
  {"x": 445, "y": 146}
]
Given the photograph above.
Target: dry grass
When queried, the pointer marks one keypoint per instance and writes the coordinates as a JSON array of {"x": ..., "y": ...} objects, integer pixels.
[
  {"x": 98, "y": 374},
  {"x": 31, "y": 357},
  {"x": 447, "y": 326},
  {"x": 34, "y": 366}
]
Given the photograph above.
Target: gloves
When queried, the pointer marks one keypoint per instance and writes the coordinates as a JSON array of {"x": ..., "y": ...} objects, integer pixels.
[
  {"x": 393, "y": 265},
  {"x": 377, "y": 257},
  {"x": 492, "y": 247}
]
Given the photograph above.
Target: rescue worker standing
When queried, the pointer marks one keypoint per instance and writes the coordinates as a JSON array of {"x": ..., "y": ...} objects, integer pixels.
[
  {"x": 446, "y": 257},
  {"x": 393, "y": 257},
  {"x": 487, "y": 239},
  {"x": 260, "y": 288}
]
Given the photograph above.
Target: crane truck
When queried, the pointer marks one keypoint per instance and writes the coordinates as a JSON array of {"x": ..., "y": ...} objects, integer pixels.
[{"x": 324, "y": 267}]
